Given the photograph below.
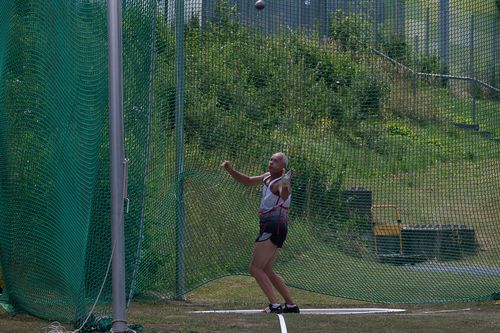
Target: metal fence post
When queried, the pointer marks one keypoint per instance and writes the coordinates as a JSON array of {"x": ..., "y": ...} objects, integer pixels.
[
  {"x": 402, "y": 18},
  {"x": 323, "y": 12},
  {"x": 472, "y": 73},
  {"x": 394, "y": 17},
  {"x": 415, "y": 67},
  {"x": 427, "y": 30},
  {"x": 444, "y": 34},
  {"x": 495, "y": 48}
]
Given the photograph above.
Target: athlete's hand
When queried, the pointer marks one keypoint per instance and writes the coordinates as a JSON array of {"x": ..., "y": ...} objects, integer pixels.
[
  {"x": 287, "y": 178},
  {"x": 227, "y": 165}
]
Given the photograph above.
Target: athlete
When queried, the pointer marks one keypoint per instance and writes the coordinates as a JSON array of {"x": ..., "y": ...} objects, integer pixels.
[{"x": 273, "y": 216}]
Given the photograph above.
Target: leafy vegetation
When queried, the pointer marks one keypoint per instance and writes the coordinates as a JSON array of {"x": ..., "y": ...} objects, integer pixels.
[
  {"x": 245, "y": 88},
  {"x": 352, "y": 32}
]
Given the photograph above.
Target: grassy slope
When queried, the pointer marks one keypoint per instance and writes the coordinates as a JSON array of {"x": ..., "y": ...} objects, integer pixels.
[{"x": 412, "y": 156}]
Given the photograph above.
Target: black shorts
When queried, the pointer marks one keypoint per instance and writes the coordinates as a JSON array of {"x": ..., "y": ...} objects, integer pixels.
[{"x": 273, "y": 226}]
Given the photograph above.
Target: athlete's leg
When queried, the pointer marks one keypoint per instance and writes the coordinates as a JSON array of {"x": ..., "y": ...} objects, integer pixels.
[
  {"x": 276, "y": 280},
  {"x": 263, "y": 252}
]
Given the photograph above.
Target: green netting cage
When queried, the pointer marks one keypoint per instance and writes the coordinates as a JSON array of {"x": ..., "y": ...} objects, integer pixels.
[{"x": 387, "y": 109}]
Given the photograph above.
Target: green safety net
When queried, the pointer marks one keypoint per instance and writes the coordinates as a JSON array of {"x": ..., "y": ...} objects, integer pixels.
[{"x": 388, "y": 111}]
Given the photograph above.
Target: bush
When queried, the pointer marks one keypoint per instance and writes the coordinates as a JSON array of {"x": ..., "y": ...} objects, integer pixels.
[
  {"x": 433, "y": 64},
  {"x": 370, "y": 89},
  {"x": 350, "y": 32},
  {"x": 316, "y": 195},
  {"x": 335, "y": 69},
  {"x": 430, "y": 64},
  {"x": 235, "y": 76},
  {"x": 351, "y": 236},
  {"x": 396, "y": 47}
]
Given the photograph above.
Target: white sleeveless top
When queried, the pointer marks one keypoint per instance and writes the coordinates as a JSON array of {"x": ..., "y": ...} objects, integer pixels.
[{"x": 270, "y": 200}]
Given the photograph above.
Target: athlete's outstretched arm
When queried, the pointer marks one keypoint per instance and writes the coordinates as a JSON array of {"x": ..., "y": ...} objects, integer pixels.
[{"x": 242, "y": 178}]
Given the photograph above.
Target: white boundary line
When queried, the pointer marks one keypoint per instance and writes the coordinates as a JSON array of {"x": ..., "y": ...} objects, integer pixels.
[
  {"x": 339, "y": 311},
  {"x": 282, "y": 324},
  {"x": 445, "y": 311}
]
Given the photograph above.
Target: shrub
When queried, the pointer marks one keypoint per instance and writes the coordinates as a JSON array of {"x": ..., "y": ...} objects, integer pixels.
[
  {"x": 335, "y": 69},
  {"x": 430, "y": 64},
  {"x": 315, "y": 194},
  {"x": 433, "y": 64},
  {"x": 370, "y": 89},
  {"x": 396, "y": 47},
  {"x": 350, "y": 32}
]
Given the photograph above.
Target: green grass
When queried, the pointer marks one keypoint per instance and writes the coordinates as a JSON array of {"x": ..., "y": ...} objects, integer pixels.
[
  {"x": 433, "y": 171},
  {"x": 442, "y": 188},
  {"x": 242, "y": 293},
  {"x": 222, "y": 223}
]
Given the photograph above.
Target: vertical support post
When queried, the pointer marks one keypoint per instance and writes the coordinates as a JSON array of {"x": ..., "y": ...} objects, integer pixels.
[
  {"x": 402, "y": 18},
  {"x": 299, "y": 13},
  {"x": 394, "y": 17},
  {"x": 415, "y": 67},
  {"x": 427, "y": 30},
  {"x": 204, "y": 14},
  {"x": 323, "y": 17},
  {"x": 398, "y": 12},
  {"x": 472, "y": 71},
  {"x": 379, "y": 20},
  {"x": 117, "y": 168},
  {"x": 179, "y": 165},
  {"x": 381, "y": 11},
  {"x": 444, "y": 34},
  {"x": 495, "y": 49}
]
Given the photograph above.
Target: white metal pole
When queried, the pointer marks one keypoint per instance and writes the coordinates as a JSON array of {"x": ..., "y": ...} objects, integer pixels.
[{"x": 117, "y": 161}]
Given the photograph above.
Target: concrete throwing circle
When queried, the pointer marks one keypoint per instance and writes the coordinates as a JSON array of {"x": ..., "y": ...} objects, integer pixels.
[{"x": 339, "y": 311}]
